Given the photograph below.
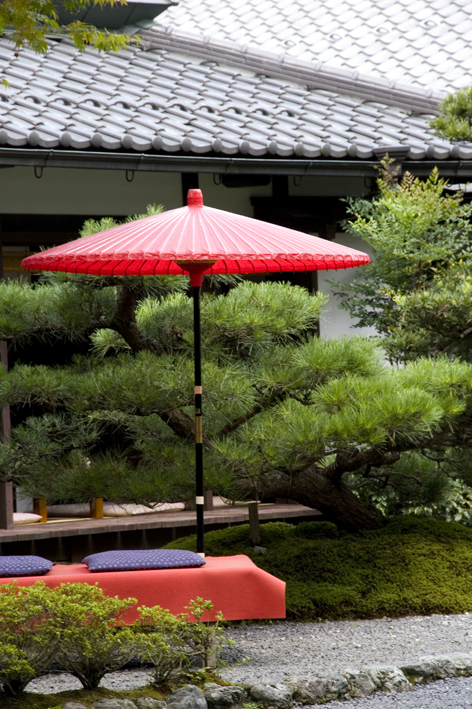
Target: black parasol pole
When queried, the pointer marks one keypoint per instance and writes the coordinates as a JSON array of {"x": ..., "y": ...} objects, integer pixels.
[{"x": 198, "y": 419}]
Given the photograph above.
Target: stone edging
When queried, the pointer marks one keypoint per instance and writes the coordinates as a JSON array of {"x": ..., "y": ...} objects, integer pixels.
[
  {"x": 361, "y": 683},
  {"x": 348, "y": 684}
]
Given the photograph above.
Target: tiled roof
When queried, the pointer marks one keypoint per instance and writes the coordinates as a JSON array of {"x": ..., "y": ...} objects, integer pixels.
[
  {"x": 312, "y": 74},
  {"x": 423, "y": 43},
  {"x": 168, "y": 102}
]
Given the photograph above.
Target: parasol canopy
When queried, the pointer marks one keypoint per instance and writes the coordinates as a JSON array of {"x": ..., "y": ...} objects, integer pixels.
[
  {"x": 165, "y": 243},
  {"x": 195, "y": 240}
]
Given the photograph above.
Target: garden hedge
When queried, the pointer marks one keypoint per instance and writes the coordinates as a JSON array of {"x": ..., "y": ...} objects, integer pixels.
[{"x": 409, "y": 567}]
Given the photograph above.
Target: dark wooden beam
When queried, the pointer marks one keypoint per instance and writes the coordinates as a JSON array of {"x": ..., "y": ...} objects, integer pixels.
[
  {"x": 37, "y": 238},
  {"x": 254, "y": 529},
  {"x": 308, "y": 214},
  {"x": 279, "y": 186},
  {"x": 189, "y": 182},
  {"x": 6, "y": 488},
  {"x": 6, "y": 505}
]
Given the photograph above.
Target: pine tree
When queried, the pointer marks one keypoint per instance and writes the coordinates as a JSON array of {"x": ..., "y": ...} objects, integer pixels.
[
  {"x": 455, "y": 117},
  {"x": 286, "y": 413}
]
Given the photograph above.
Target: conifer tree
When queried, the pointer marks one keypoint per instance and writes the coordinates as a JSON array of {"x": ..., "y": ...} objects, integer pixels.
[
  {"x": 454, "y": 121},
  {"x": 286, "y": 414}
]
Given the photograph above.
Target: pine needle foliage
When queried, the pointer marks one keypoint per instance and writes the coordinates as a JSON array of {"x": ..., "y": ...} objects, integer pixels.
[
  {"x": 455, "y": 117},
  {"x": 286, "y": 414}
]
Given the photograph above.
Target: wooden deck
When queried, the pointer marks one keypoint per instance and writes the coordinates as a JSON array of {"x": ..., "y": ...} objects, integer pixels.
[{"x": 71, "y": 539}]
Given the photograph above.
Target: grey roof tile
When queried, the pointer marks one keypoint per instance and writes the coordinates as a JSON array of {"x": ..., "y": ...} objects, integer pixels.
[
  {"x": 45, "y": 139},
  {"x": 19, "y": 122},
  {"x": 464, "y": 152},
  {"x": 73, "y": 87},
  {"x": 103, "y": 139},
  {"x": 141, "y": 121},
  {"x": 318, "y": 23},
  {"x": 170, "y": 144},
  {"x": 23, "y": 114},
  {"x": 73, "y": 139},
  {"x": 157, "y": 100},
  {"x": 89, "y": 61},
  {"x": 198, "y": 145},
  {"x": 14, "y": 135},
  {"x": 79, "y": 130},
  {"x": 134, "y": 142}
]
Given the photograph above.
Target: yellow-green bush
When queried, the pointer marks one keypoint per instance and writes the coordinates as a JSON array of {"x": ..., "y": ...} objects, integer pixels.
[
  {"x": 79, "y": 627},
  {"x": 28, "y": 634}
]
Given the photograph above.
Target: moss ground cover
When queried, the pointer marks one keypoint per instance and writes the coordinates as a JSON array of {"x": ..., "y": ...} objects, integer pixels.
[
  {"x": 409, "y": 567},
  {"x": 29, "y": 700}
]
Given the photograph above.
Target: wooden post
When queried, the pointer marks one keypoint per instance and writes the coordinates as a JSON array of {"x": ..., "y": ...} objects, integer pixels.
[
  {"x": 208, "y": 500},
  {"x": 96, "y": 508},
  {"x": 40, "y": 507},
  {"x": 6, "y": 489},
  {"x": 254, "y": 529},
  {"x": 212, "y": 656},
  {"x": 6, "y": 505}
]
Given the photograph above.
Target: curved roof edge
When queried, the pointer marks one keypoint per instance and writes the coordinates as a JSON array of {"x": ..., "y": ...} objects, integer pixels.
[{"x": 284, "y": 66}]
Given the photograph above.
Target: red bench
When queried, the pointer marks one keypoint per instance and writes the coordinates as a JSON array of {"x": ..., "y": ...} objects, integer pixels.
[{"x": 234, "y": 584}]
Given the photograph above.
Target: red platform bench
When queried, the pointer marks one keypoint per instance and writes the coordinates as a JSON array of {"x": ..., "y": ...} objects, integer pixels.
[{"x": 234, "y": 584}]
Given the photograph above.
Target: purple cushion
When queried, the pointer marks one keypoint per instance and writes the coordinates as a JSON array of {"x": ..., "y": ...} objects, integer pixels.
[
  {"x": 24, "y": 566},
  {"x": 142, "y": 559}
]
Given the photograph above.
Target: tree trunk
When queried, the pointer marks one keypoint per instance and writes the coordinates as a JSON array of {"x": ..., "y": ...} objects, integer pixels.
[{"x": 333, "y": 499}]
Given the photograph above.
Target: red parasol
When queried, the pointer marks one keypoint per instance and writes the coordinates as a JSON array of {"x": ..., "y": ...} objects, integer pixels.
[{"x": 196, "y": 240}]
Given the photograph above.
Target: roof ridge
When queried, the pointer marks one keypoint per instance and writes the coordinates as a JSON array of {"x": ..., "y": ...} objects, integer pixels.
[{"x": 281, "y": 65}]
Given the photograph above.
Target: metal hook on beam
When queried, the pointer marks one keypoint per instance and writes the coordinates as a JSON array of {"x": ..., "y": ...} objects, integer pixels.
[
  {"x": 129, "y": 175},
  {"x": 38, "y": 172}
]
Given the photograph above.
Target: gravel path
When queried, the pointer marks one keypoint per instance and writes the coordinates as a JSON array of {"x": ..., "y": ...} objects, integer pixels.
[
  {"x": 283, "y": 649},
  {"x": 445, "y": 694}
]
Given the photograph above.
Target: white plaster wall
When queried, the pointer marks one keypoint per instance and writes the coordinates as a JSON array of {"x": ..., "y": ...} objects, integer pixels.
[
  {"x": 97, "y": 192},
  {"x": 24, "y": 503},
  {"x": 80, "y": 191},
  {"x": 336, "y": 322}
]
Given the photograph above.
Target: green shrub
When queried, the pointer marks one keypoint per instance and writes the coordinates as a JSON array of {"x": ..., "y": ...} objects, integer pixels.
[
  {"x": 315, "y": 530},
  {"x": 410, "y": 566},
  {"x": 81, "y": 628},
  {"x": 165, "y": 643},
  {"x": 93, "y": 641},
  {"x": 181, "y": 646},
  {"x": 28, "y": 632},
  {"x": 15, "y": 670},
  {"x": 205, "y": 639}
]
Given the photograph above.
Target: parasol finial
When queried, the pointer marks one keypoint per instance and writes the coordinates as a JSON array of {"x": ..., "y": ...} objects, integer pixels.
[{"x": 194, "y": 198}]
